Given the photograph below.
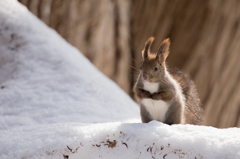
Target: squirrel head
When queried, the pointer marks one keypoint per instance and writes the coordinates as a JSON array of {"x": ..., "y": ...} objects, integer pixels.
[{"x": 153, "y": 67}]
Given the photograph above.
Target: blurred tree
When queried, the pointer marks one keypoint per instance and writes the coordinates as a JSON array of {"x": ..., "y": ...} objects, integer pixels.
[
  {"x": 99, "y": 29},
  {"x": 204, "y": 35}
]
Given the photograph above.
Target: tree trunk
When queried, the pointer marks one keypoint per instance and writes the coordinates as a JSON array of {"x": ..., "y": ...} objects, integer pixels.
[
  {"x": 204, "y": 42},
  {"x": 99, "y": 29}
]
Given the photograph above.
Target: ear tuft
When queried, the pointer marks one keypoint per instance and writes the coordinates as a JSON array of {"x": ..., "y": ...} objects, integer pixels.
[
  {"x": 164, "y": 46},
  {"x": 146, "y": 49},
  {"x": 163, "y": 50}
]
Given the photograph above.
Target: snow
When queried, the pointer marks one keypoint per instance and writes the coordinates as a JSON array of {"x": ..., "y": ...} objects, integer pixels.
[
  {"x": 55, "y": 103},
  {"x": 46, "y": 80},
  {"x": 120, "y": 140}
]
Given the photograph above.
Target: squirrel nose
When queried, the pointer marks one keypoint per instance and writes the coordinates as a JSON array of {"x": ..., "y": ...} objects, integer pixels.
[{"x": 145, "y": 77}]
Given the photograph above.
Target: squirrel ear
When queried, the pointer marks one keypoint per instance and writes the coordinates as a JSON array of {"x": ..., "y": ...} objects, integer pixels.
[
  {"x": 146, "y": 49},
  {"x": 163, "y": 50}
]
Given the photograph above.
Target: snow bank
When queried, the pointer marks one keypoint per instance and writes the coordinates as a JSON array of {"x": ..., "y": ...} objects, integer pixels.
[
  {"x": 55, "y": 104},
  {"x": 119, "y": 140},
  {"x": 44, "y": 80}
]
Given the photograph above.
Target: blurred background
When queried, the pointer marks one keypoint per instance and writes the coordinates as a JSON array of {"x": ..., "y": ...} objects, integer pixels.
[{"x": 204, "y": 34}]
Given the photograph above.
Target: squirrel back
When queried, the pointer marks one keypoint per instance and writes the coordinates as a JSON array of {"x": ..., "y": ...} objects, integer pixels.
[{"x": 193, "y": 111}]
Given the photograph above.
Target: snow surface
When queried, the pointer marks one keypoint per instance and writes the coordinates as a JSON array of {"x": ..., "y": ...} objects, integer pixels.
[
  {"x": 120, "y": 140},
  {"x": 44, "y": 80},
  {"x": 55, "y": 103}
]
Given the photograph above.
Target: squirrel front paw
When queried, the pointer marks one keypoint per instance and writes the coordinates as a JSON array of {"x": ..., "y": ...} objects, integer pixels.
[
  {"x": 146, "y": 94},
  {"x": 143, "y": 94},
  {"x": 156, "y": 96}
]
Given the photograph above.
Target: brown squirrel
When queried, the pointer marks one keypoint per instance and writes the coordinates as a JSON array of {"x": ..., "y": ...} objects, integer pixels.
[{"x": 166, "y": 96}]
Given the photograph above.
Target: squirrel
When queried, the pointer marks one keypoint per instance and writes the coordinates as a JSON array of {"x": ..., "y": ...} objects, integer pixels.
[{"x": 168, "y": 96}]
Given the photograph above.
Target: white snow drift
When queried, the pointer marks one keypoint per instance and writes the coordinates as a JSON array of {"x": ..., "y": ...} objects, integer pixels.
[
  {"x": 54, "y": 103},
  {"x": 44, "y": 80}
]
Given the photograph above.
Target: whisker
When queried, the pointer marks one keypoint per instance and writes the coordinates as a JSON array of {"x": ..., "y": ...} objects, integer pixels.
[
  {"x": 134, "y": 74},
  {"x": 135, "y": 61},
  {"x": 134, "y": 71},
  {"x": 134, "y": 68}
]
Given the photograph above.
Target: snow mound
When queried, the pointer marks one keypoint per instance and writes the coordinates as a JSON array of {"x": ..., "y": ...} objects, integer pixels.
[
  {"x": 120, "y": 140},
  {"x": 43, "y": 79},
  {"x": 55, "y": 104}
]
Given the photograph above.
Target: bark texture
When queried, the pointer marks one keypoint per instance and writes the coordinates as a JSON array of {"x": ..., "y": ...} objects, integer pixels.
[{"x": 205, "y": 38}]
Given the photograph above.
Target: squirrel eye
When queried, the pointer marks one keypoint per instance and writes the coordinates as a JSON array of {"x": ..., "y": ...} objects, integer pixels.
[
  {"x": 141, "y": 68},
  {"x": 155, "y": 69}
]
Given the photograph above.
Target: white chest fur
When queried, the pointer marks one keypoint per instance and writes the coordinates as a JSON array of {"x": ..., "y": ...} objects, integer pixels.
[
  {"x": 156, "y": 108},
  {"x": 151, "y": 87}
]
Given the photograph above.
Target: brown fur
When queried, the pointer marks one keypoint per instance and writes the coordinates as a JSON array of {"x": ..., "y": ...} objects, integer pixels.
[
  {"x": 193, "y": 110},
  {"x": 167, "y": 89}
]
